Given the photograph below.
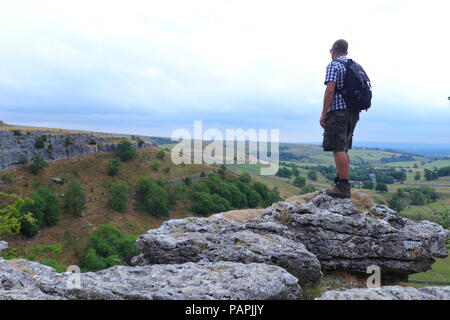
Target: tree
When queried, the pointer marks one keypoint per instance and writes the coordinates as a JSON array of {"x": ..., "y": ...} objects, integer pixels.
[
  {"x": 418, "y": 198},
  {"x": 50, "y": 207},
  {"x": 308, "y": 189},
  {"x": 11, "y": 215},
  {"x": 108, "y": 247},
  {"x": 114, "y": 167},
  {"x": 126, "y": 151},
  {"x": 262, "y": 189},
  {"x": 38, "y": 164},
  {"x": 417, "y": 176},
  {"x": 205, "y": 204},
  {"x": 245, "y": 178},
  {"x": 382, "y": 187},
  {"x": 312, "y": 175},
  {"x": 238, "y": 199},
  {"x": 274, "y": 196},
  {"x": 284, "y": 172},
  {"x": 154, "y": 198},
  {"x": 119, "y": 196},
  {"x": 295, "y": 172},
  {"x": 300, "y": 181},
  {"x": 396, "y": 203},
  {"x": 75, "y": 199},
  {"x": 367, "y": 184},
  {"x": 160, "y": 154}
]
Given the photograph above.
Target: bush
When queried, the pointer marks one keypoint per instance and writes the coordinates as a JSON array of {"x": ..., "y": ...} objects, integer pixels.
[
  {"x": 368, "y": 184},
  {"x": 382, "y": 187},
  {"x": 39, "y": 143},
  {"x": 262, "y": 189},
  {"x": 155, "y": 165},
  {"x": 284, "y": 172},
  {"x": 75, "y": 199},
  {"x": 308, "y": 189},
  {"x": 396, "y": 203},
  {"x": 238, "y": 199},
  {"x": 38, "y": 164},
  {"x": 126, "y": 151},
  {"x": 23, "y": 160},
  {"x": 119, "y": 196},
  {"x": 205, "y": 204},
  {"x": 108, "y": 247},
  {"x": 417, "y": 176},
  {"x": 300, "y": 181},
  {"x": 312, "y": 175},
  {"x": 50, "y": 208},
  {"x": 114, "y": 167},
  {"x": 160, "y": 155},
  {"x": 245, "y": 177},
  {"x": 8, "y": 177},
  {"x": 154, "y": 198},
  {"x": 274, "y": 196}
]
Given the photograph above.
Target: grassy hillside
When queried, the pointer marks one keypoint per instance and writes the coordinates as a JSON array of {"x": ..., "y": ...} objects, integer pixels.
[{"x": 91, "y": 172}]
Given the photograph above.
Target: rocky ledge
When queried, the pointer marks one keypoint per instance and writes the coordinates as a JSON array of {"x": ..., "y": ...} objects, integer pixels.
[
  {"x": 19, "y": 145},
  {"x": 297, "y": 235},
  {"x": 23, "y": 279},
  {"x": 389, "y": 293}
]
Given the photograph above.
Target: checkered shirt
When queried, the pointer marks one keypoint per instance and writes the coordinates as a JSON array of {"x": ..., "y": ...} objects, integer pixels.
[{"x": 336, "y": 73}]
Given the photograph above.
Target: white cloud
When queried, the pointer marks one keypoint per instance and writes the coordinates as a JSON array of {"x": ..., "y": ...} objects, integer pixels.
[{"x": 220, "y": 56}]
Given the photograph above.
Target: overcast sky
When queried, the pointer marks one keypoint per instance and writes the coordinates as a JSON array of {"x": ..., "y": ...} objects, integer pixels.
[{"x": 149, "y": 67}]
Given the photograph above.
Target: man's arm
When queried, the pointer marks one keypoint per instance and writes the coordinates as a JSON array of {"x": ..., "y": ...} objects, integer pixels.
[{"x": 327, "y": 100}]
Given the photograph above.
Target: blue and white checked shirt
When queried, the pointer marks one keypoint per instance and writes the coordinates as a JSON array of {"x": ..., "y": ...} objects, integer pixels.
[{"x": 336, "y": 73}]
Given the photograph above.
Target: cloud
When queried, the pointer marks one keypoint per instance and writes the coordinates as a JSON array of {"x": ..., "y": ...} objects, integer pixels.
[{"x": 151, "y": 66}]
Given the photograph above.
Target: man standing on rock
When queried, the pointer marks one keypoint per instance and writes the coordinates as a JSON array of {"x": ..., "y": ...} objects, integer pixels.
[{"x": 341, "y": 111}]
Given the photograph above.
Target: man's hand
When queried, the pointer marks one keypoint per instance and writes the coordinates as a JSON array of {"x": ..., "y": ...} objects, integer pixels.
[{"x": 323, "y": 118}]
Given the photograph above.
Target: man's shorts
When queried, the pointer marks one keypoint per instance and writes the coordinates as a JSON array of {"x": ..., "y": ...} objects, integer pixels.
[{"x": 338, "y": 133}]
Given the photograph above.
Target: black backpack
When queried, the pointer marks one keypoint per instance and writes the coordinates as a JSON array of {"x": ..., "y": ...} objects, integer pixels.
[{"x": 357, "y": 90}]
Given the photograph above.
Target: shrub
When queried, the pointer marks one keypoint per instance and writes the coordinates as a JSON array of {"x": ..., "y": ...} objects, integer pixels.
[
  {"x": 126, "y": 151},
  {"x": 50, "y": 206},
  {"x": 308, "y": 189},
  {"x": 8, "y": 177},
  {"x": 238, "y": 199},
  {"x": 295, "y": 172},
  {"x": 154, "y": 198},
  {"x": 119, "y": 196},
  {"x": 17, "y": 132},
  {"x": 245, "y": 177},
  {"x": 300, "y": 181},
  {"x": 108, "y": 247},
  {"x": 23, "y": 160},
  {"x": 312, "y": 175},
  {"x": 274, "y": 196},
  {"x": 38, "y": 164},
  {"x": 39, "y": 143},
  {"x": 417, "y": 176},
  {"x": 367, "y": 184},
  {"x": 253, "y": 199},
  {"x": 262, "y": 189},
  {"x": 200, "y": 187},
  {"x": 75, "y": 199},
  {"x": 205, "y": 204},
  {"x": 160, "y": 154},
  {"x": 68, "y": 142},
  {"x": 284, "y": 172},
  {"x": 382, "y": 187},
  {"x": 396, "y": 203},
  {"x": 114, "y": 167},
  {"x": 155, "y": 165}
]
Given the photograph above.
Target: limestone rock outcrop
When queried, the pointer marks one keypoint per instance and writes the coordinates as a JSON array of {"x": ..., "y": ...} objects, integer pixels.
[
  {"x": 218, "y": 239},
  {"x": 344, "y": 238},
  {"x": 292, "y": 234},
  {"x": 23, "y": 279},
  {"x": 16, "y": 145},
  {"x": 389, "y": 293}
]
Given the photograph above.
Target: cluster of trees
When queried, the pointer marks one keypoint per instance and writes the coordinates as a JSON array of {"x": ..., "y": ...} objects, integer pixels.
[
  {"x": 214, "y": 194},
  {"x": 436, "y": 173},
  {"x": 383, "y": 175},
  {"x": 401, "y": 158},
  {"x": 108, "y": 247},
  {"x": 412, "y": 196}
]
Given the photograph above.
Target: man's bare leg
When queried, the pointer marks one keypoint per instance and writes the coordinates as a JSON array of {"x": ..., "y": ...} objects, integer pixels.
[{"x": 342, "y": 161}]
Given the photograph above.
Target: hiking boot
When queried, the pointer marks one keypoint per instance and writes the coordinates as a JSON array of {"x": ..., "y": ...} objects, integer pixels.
[{"x": 340, "y": 190}]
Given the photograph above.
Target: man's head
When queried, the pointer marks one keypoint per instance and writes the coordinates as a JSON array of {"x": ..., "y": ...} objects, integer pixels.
[{"x": 338, "y": 49}]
